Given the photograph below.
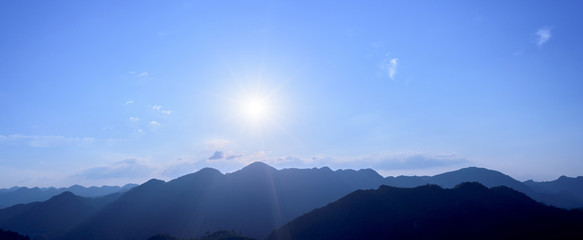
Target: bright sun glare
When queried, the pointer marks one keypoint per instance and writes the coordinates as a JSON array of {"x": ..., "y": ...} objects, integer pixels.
[
  {"x": 258, "y": 108},
  {"x": 255, "y": 109}
]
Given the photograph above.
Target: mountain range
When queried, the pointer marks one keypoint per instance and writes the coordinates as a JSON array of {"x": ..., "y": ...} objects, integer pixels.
[
  {"x": 468, "y": 211},
  {"x": 22, "y": 195},
  {"x": 254, "y": 201}
]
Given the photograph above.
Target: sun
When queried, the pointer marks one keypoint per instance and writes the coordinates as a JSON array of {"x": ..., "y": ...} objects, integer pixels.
[{"x": 255, "y": 109}]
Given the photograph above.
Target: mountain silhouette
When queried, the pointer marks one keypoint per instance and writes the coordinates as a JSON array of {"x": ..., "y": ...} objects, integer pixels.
[
  {"x": 22, "y": 195},
  {"x": 53, "y": 218},
  {"x": 10, "y": 235},
  {"x": 468, "y": 211},
  {"x": 218, "y": 235},
  {"x": 253, "y": 200}
]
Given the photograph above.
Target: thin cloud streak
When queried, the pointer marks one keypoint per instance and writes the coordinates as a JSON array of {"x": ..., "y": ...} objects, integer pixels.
[
  {"x": 544, "y": 34},
  {"x": 388, "y": 66},
  {"x": 44, "y": 141},
  {"x": 393, "y": 68},
  {"x": 214, "y": 144}
]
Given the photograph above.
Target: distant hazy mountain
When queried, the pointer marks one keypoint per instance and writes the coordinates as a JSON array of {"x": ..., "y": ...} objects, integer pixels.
[
  {"x": 21, "y": 195},
  {"x": 52, "y": 218},
  {"x": 563, "y": 192},
  {"x": 254, "y": 200},
  {"x": 484, "y": 176},
  {"x": 469, "y": 211}
]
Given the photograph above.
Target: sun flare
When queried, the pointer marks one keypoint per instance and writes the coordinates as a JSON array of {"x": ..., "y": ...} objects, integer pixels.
[{"x": 255, "y": 109}]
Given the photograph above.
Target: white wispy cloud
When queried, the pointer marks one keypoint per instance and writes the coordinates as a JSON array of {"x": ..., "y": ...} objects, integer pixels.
[
  {"x": 215, "y": 143},
  {"x": 392, "y": 67},
  {"x": 134, "y": 119},
  {"x": 129, "y": 102},
  {"x": 42, "y": 141},
  {"x": 124, "y": 169},
  {"x": 220, "y": 157},
  {"x": 388, "y": 66},
  {"x": 377, "y": 161},
  {"x": 154, "y": 124},
  {"x": 160, "y": 109},
  {"x": 543, "y": 34},
  {"x": 139, "y": 74}
]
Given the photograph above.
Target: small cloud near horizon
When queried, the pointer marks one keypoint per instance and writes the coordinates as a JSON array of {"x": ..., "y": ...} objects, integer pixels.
[
  {"x": 239, "y": 159},
  {"x": 124, "y": 169},
  {"x": 215, "y": 143},
  {"x": 379, "y": 161},
  {"x": 217, "y": 155}
]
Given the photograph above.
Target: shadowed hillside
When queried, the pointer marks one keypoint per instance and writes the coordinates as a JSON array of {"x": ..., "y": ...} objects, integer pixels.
[
  {"x": 10, "y": 235},
  {"x": 469, "y": 211},
  {"x": 53, "y": 218}
]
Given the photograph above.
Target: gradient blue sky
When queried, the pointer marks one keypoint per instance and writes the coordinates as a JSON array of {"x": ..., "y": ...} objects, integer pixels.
[{"x": 110, "y": 92}]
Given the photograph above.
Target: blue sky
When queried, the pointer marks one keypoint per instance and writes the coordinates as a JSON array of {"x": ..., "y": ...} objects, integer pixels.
[{"x": 109, "y": 92}]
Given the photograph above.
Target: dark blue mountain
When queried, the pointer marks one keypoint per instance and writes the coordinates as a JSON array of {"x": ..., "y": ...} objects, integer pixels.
[
  {"x": 10, "y": 235},
  {"x": 253, "y": 200},
  {"x": 468, "y": 211}
]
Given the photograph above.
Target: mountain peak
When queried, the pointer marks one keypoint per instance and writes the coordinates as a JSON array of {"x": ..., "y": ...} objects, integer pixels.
[
  {"x": 258, "y": 166},
  {"x": 64, "y": 196},
  {"x": 209, "y": 171},
  {"x": 476, "y": 169},
  {"x": 205, "y": 173}
]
